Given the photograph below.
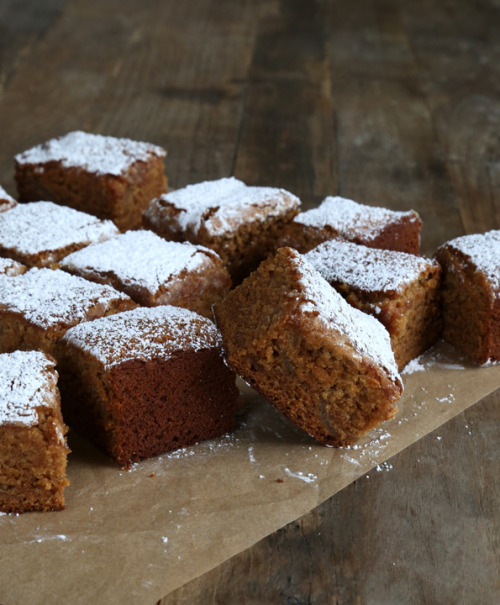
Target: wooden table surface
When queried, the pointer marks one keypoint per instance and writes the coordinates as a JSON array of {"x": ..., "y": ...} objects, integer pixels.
[{"x": 390, "y": 103}]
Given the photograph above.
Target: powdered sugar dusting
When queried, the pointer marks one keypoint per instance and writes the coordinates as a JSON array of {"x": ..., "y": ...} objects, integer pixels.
[
  {"x": 223, "y": 205},
  {"x": 139, "y": 258},
  {"x": 93, "y": 152},
  {"x": 37, "y": 227},
  {"x": 26, "y": 378},
  {"x": 50, "y": 298},
  {"x": 366, "y": 268},
  {"x": 351, "y": 219},
  {"x": 363, "y": 332},
  {"x": 484, "y": 252},
  {"x": 144, "y": 333}
]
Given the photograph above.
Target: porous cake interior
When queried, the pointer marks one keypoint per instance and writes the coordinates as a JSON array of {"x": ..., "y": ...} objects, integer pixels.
[
  {"x": 35, "y": 476},
  {"x": 311, "y": 374}
]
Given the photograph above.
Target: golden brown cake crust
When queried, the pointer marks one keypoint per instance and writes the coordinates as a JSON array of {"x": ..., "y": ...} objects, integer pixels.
[
  {"x": 328, "y": 367},
  {"x": 109, "y": 177},
  {"x": 471, "y": 295},
  {"x": 33, "y": 449}
]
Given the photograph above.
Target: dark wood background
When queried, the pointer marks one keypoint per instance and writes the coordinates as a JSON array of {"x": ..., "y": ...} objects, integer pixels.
[{"x": 392, "y": 103}]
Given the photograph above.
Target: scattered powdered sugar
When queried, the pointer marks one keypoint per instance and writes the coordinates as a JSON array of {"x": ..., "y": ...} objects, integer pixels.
[
  {"x": 350, "y": 218},
  {"x": 415, "y": 365},
  {"x": 223, "y": 205},
  {"x": 307, "y": 478},
  {"x": 26, "y": 377},
  {"x": 484, "y": 251},
  {"x": 92, "y": 152},
  {"x": 367, "y": 268},
  {"x": 363, "y": 332},
  {"x": 139, "y": 258},
  {"x": 51, "y": 298},
  {"x": 144, "y": 333},
  {"x": 43, "y": 226}
]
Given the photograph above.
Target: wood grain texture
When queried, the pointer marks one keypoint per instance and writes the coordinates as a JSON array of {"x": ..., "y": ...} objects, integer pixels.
[{"x": 389, "y": 102}]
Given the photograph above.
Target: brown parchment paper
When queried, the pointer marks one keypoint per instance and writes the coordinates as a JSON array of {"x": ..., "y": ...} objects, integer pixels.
[{"x": 135, "y": 536}]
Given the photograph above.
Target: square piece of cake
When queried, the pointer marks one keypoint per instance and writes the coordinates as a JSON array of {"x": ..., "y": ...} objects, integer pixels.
[
  {"x": 112, "y": 178},
  {"x": 326, "y": 365},
  {"x": 33, "y": 449},
  {"x": 371, "y": 226},
  {"x": 37, "y": 308},
  {"x": 401, "y": 290},
  {"x": 6, "y": 201},
  {"x": 141, "y": 383},
  {"x": 240, "y": 223},
  {"x": 153, "y": 271},
  {"x": 39, "y": 234},
  {"x": 471, "y": 295}
]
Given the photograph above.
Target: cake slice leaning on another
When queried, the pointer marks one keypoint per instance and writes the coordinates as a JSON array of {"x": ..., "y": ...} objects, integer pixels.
[{"x": 327, "y": 366}]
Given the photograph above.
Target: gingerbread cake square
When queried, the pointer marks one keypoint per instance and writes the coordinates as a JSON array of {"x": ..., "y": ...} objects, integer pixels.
[
  {"x": 401, "y": 290},
  {"x": 239, "y": 222},
  {"x": 147, "y": 381},
  {"x": 153, "y": 271},
  {"x": 326, "y": 365},
  {"x": 8, "y": 266},
  {"x": 6, "y": 201},
  {"x": 371, "y": 226},
  {"x": 33, "y": 449},
  {"x": 37, "y": 308},
  {"x": 112, "y": 178},
  {"x": 40, "y": 234},
  {"x": 471, "y": 295}
]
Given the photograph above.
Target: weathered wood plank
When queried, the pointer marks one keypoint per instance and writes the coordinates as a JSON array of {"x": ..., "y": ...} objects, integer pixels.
[
  {"x": 288, "y": 130},
  {"x": 138, "y": 70}
]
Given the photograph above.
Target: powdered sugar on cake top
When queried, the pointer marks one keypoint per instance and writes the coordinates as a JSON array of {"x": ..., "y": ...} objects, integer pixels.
[
  {"x": 484, "y": 251},
  {"x": 92, "y": 152},
  {"x": 27, "y": 379},
  {"x": 223, "y": 205},
  {"x": 43, "y": 226},
  {"x": 145, "y": 333},
  {"x": 350, "y": 218},
  {"x": 362, "y": 332},
  {"x": 49, "y": 298},
  {"x": 140, "y": 258},
  {"x": 366, "y": 268}
]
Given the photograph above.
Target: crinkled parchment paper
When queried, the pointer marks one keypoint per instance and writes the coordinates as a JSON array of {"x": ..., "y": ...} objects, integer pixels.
[{"x": 134, "y": 536}]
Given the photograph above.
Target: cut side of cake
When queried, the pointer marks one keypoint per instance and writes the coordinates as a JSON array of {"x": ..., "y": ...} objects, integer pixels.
[
  {"x": 112, "y": 178},
  {"x": 144, "y": 382},
  {"x": 40, "y": 234},
  {"x": 33, "y": 449},
  {"x": 239, "y": 222},
  {"x": 153, "y": 271},
  {"x": 471, "y": 295},
  {"x": 326, "y": 365},
  {"x": 37, "y": 308},
  {"x": 371, "y": 226},
  {"x": 401, "y": 290}
]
